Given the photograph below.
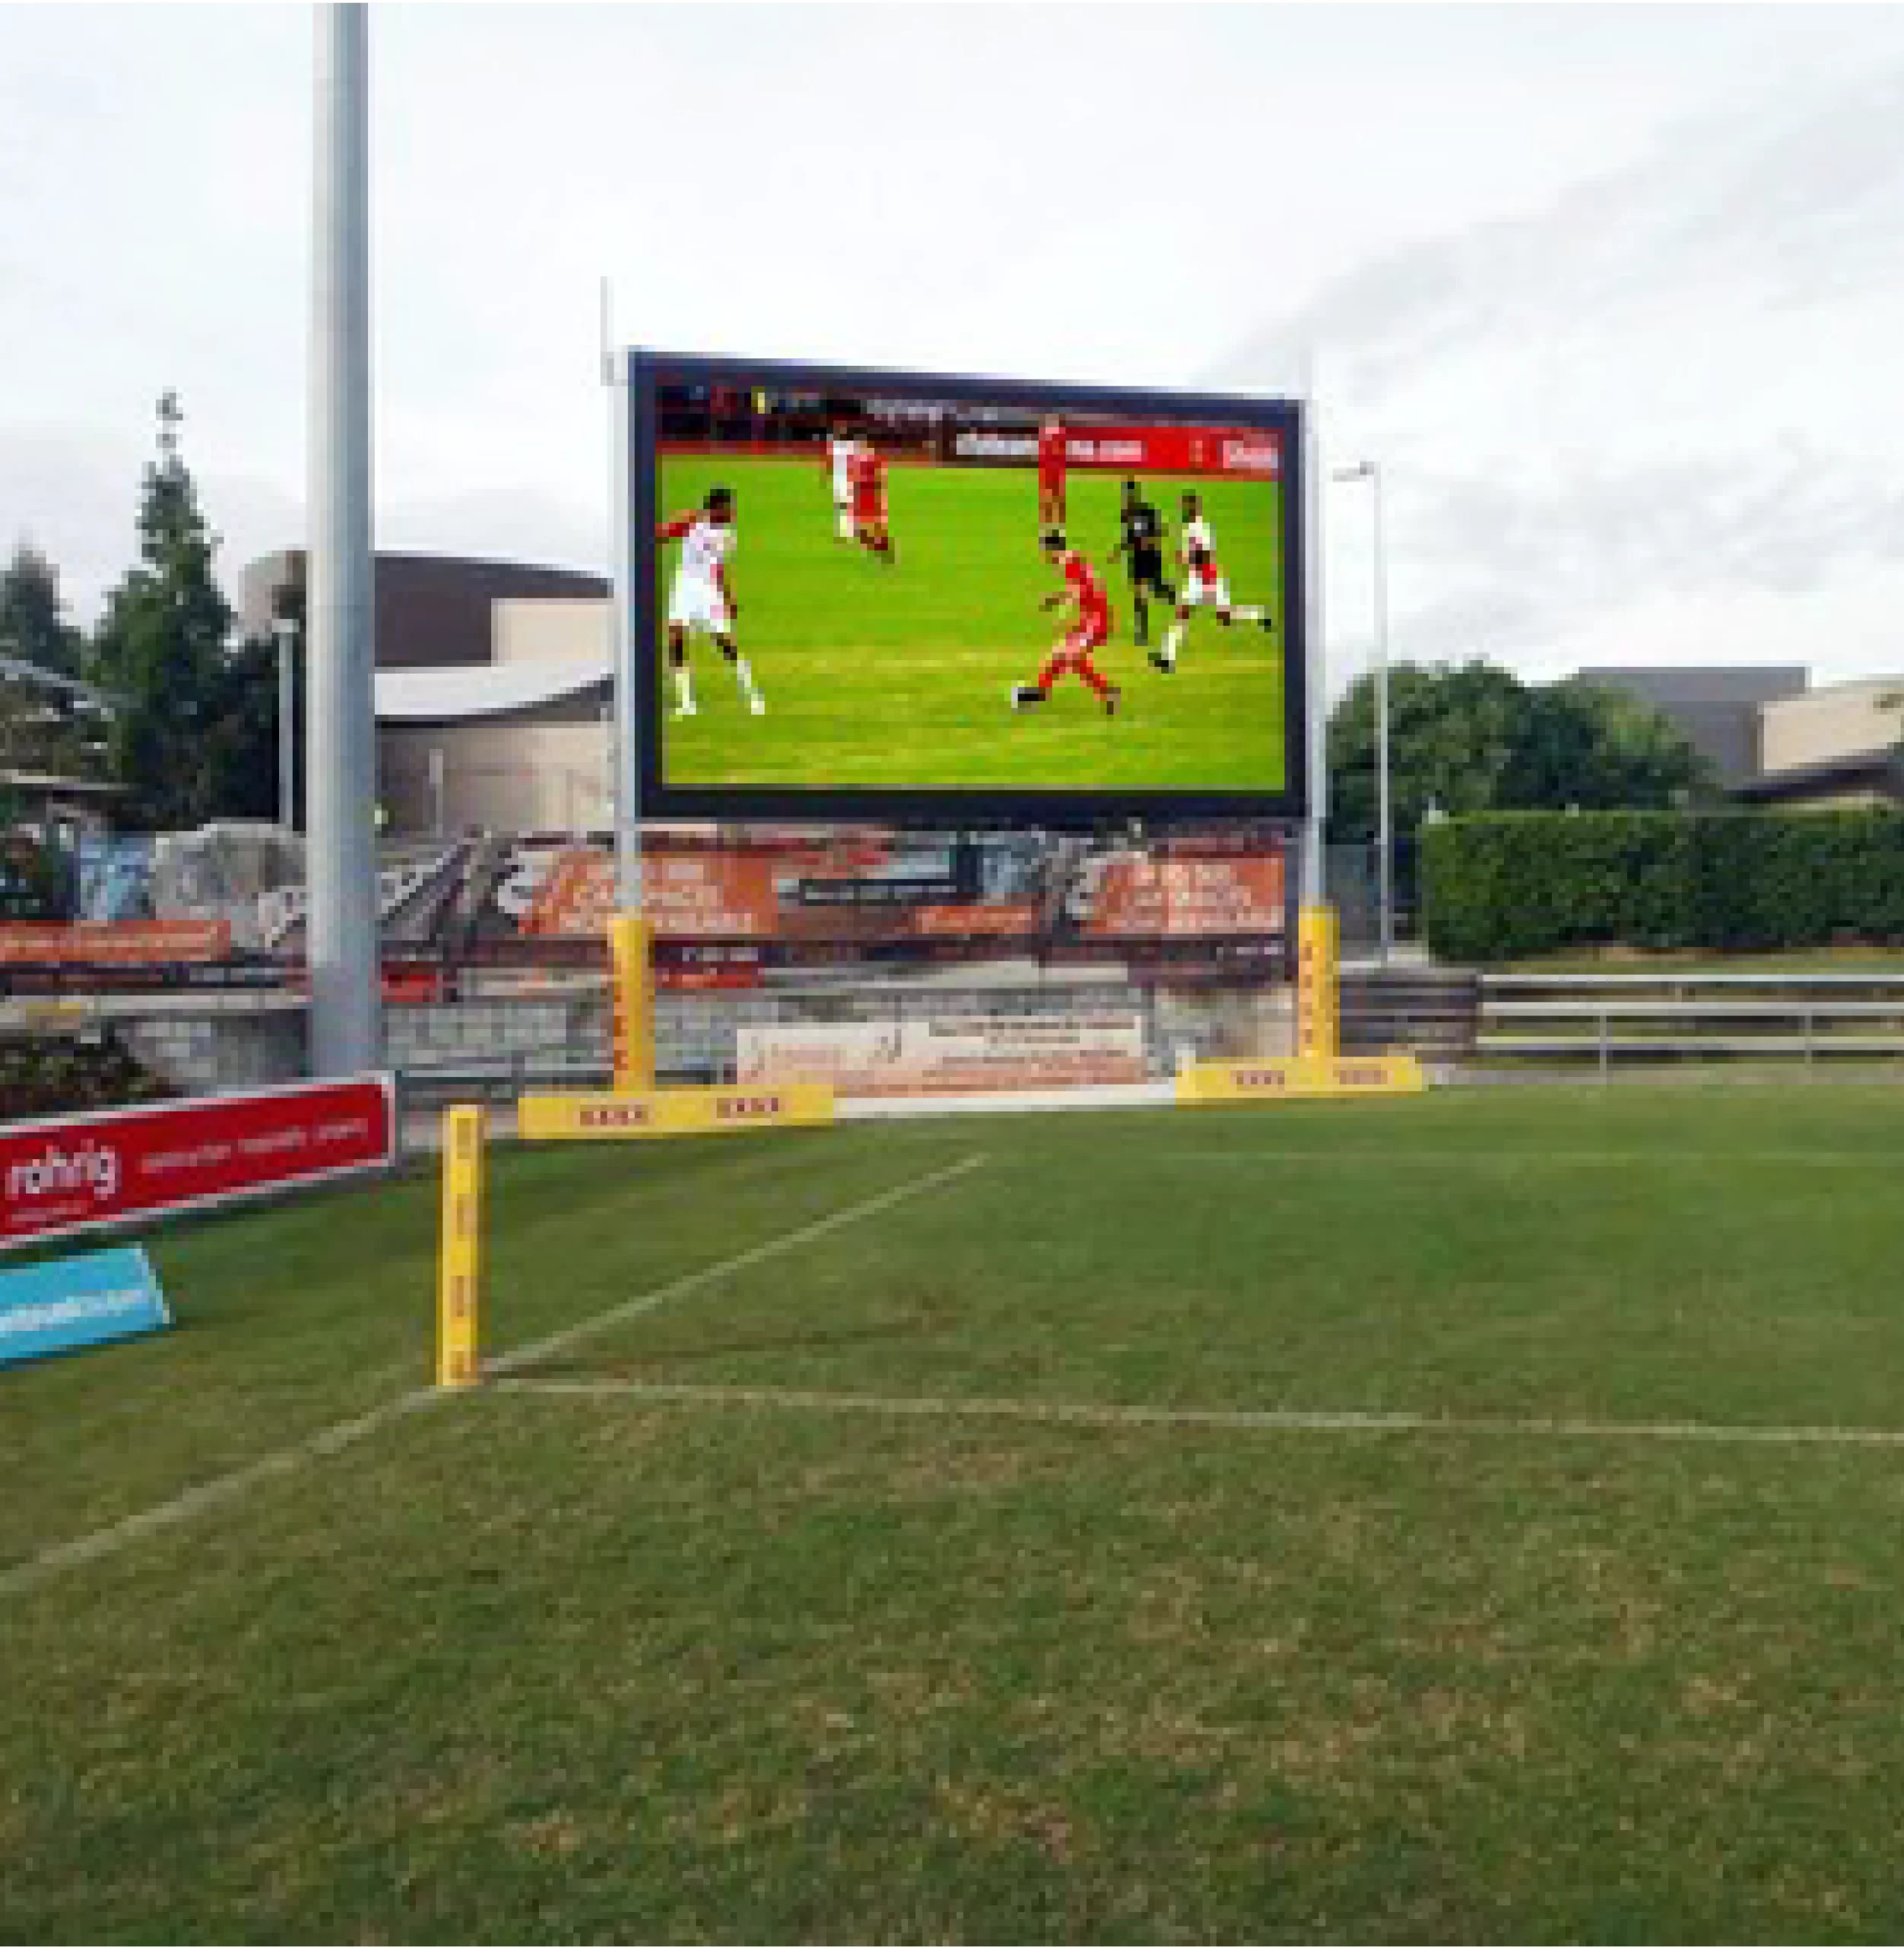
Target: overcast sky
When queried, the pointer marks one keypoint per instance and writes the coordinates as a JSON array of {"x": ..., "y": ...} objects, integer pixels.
[{"x": 1615, "y": 293}]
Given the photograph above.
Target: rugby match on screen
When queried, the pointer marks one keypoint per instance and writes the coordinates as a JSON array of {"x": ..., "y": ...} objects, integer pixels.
[{"x": 920, "y": 595}]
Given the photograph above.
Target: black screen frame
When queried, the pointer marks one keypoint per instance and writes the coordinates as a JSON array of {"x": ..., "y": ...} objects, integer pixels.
[{"x": 1058, "y": 808}]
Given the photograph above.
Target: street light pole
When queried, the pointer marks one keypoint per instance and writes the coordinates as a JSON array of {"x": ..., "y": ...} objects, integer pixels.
[
  {"x": 284, "y": 634},
  {"x": 1371, "y": 471}
]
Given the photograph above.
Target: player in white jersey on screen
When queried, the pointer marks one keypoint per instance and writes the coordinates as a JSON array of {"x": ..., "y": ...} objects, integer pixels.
[
  {"x": 1205, "y": 587},
  {"x": 841, "y": 450},
  {"x": 700, "y": 599}
]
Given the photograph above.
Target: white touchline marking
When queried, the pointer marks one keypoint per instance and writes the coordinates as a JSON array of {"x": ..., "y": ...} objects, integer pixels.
[
  {"x": 681, "y": 1287},
  {"x": 54, "y": 1560},
  {"x": 1267, "y": 1420},
  {"x": 1450, "y": 1159}
]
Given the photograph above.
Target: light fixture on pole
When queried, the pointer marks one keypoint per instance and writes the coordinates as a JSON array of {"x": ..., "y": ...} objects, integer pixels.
[{"x": 1371, "y": 471}]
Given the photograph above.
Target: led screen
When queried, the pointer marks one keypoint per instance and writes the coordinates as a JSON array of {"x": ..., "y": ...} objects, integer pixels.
[{"x": 869, "y": 594}]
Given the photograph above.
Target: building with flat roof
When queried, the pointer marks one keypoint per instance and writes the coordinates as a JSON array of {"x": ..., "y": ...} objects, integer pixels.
[
  {"x": 495, "y": 683},
  {"x": 1721, "y": 708}
]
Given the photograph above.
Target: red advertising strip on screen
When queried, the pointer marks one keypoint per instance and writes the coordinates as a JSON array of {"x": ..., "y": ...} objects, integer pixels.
[
  {"x": 1247, "y": 453},
  {"x": 114, "y": 942},
  {"x": 74, "y": 1172}
]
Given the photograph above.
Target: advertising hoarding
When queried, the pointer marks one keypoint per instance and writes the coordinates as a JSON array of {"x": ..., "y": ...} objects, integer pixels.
[
  {"x": 955, "y": 1054},
  {"x": 61, "y": 1176}
]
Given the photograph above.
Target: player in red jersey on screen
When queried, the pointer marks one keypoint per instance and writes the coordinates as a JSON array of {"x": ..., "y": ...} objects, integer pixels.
[
  {"x": 700, "y": 599},
  {"x": 870, "y": 519},
  {"x": 1090, "y": 628},
  {"x": 1204, "y": 587},
  {"x": 1050, "y": 473}
]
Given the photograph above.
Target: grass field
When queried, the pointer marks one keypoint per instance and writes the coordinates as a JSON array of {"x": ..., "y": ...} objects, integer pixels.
[
  {"x": 893, "y": 678},
  {"x": 962, "y": 1529}
]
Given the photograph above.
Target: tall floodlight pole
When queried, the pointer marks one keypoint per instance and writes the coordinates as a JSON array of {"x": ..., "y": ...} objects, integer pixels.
[
  {"x": 340, "y": 706},
  {"x": 1371, "y": 471}
]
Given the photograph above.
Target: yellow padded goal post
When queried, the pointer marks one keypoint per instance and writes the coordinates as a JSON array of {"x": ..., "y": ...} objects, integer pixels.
[{"x": 459, "y": 1251}]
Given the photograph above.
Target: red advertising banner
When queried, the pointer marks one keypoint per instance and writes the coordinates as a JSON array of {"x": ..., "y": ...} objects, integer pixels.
[
  {"x": 1254, "y": 453},
  {"x": 70, "y": 1173},
  {"x": 114, "y": 942}
]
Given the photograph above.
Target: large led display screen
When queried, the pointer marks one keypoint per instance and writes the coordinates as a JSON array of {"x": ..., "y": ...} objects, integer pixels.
[{"x": 962, "y": 600}]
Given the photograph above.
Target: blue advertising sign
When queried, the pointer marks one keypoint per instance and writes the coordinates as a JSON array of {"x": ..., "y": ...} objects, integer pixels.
[
  {"x": 115, "y": 877},
  {"x": 76, "y": 1301}
]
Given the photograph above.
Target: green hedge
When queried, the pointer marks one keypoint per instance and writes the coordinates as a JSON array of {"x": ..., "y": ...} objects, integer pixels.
[
  {"x": 64, "y": 1077},
  {"x": 1506, "y": 885}
]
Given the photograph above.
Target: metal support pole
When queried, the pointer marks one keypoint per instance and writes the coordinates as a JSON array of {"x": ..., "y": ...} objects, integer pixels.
[
  {"x": 627, "y": 747},
  {"x": 340, "y": 715},
  {"x": 285, "y": 633},
  {"x": 1315, "y": 887},
  {"x": 1384, "y": 832}
]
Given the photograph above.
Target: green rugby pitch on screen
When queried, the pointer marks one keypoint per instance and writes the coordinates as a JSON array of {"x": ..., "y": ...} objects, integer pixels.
[{"x": 862, "y": 677}]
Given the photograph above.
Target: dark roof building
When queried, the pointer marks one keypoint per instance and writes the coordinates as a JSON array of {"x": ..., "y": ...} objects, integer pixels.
[
  {"x": 433, "y": 611},
  {"x": 1719, "y": 708}
]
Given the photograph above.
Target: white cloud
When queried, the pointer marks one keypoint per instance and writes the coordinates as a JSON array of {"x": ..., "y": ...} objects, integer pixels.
[
  {"x": 1657, "y": 417},
  {"x": 1532, "y": 289}
]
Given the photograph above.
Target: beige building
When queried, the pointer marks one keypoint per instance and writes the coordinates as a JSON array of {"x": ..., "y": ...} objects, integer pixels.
[
  {"x": 1773, "y": 739},
  {"x": 1829, "y": 726},
  {"x": 523, "y": 742},
  {"x": 494, "y": 687}
]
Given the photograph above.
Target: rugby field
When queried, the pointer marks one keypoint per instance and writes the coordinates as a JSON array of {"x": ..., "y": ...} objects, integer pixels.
[{"x": 1472, "y": 1517}]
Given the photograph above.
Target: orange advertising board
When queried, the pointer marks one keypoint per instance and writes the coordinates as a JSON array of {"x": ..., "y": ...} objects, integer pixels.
[
  {"x": 1179, "y": 897},
  {"x": 114, "y": 942},
  {"x": 771, "y": 893},
  {"x": 685, "y": 895}
]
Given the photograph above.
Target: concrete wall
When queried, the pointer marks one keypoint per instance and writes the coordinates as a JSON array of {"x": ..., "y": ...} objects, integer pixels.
[
  {"x": 228, "y": 1045},
  {"x": 419, "y": 1037},
  {"x": 1847, "y": 720},
  {"x": 503, "y": 775},
  {"x": 202, "y": 1052},
  {"x": 534, "y": 631}
]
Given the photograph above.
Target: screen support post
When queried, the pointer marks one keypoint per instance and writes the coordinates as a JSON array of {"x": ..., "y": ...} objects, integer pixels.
[
  {"x": 1317, "y": 1005},
  {"x": 1315, "y": 888},
  {"x": 630, "y": 954}
]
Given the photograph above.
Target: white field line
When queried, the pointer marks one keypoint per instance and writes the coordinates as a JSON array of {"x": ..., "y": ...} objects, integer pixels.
[
  {"x": 1451, "y": 1159},
  {"x": 42, "y": 1567},
  {"x": 559, "y": 1342},
  {"x": 1271, "y": 1419}
]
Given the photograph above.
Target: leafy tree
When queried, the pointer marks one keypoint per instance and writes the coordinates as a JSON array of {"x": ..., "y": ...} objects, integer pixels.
[
  {"x": 1473, "y": 739},
  {"x": 182, "y": 735}
]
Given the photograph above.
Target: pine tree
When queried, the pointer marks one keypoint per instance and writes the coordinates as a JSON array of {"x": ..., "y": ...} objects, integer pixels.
[
  {"x": 34, "y": 627},
  {"x": 162, "y": 650},
  {"x": 43, "y": 727}
]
